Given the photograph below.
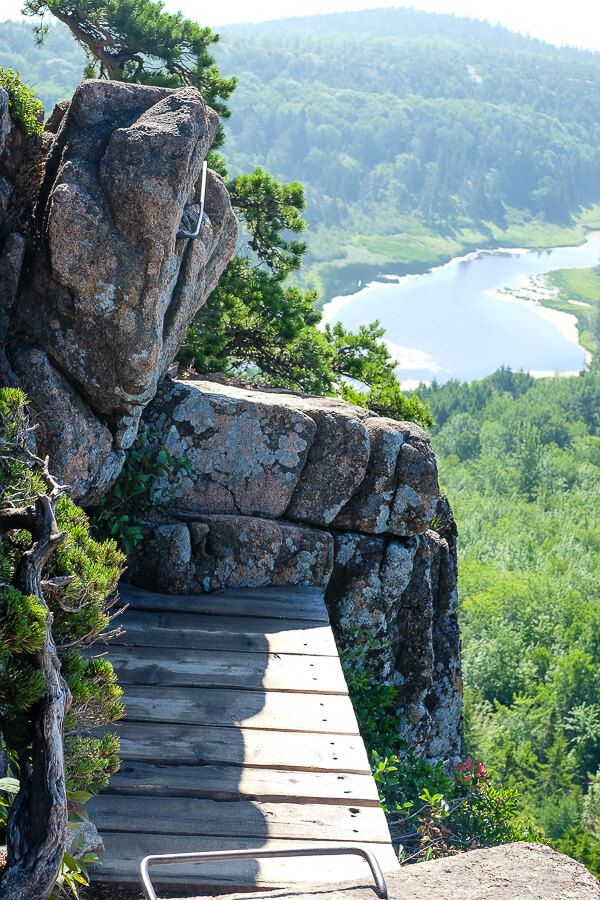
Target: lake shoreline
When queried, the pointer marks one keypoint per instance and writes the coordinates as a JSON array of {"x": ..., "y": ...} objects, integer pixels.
[
  {"x": 450, "y": 298},
  {"x": 537, "y": 292},
  {"x": 349, "y": 277}
]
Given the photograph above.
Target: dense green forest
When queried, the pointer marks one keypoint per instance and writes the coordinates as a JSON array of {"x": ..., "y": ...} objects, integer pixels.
[
  {"x": 520, "y": 460},
  {"x": 397, "y": 112},
  {"x": 416, "y": 136},
  {"x": 53, "y": 69}
]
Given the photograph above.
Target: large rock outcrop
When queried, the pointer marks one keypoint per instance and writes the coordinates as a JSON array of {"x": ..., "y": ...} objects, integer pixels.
[
  {"x": 309, "y": 459},
  {"x": 107, "y": 295},
  {"x": 286, "y": 489}
]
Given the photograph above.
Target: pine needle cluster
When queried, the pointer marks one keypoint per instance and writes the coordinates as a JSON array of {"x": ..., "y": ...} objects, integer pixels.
[{"x": 79, "y": 589}]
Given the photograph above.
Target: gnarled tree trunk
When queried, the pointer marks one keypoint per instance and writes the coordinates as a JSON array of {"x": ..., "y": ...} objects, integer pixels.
[{"x": 37, "y": 824}]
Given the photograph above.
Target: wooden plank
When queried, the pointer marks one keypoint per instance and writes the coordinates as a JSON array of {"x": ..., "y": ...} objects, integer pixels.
[
  {"x": 124, "y": 853},
  {"x": 219, "y": 782},
  {"x": 251, "y": 709},
  {"x": 184, "y": 743},
  {"x": 205, "y": 632},
  {"x": 272, "y": 602},
  {"x": 239, "y": 732},
  {"x": 242, "y": 818},
  {"x": 244, "y": 671}
]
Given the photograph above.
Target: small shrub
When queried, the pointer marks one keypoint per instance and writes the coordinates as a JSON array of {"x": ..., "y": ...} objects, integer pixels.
[
  {"x": 147, "y": 478},
  {"x": 25, "y": 108},
  {"x": 78, "y": 589}
]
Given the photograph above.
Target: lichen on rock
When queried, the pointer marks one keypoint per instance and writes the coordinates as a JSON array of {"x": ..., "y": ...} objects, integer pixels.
[
  {"x": 246, "y": 449},
  {"x": 214, "y": 552}
]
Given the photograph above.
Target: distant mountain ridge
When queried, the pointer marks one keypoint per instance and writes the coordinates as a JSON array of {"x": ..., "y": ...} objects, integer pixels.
[
  {"x": 375, "y": 22},
  {"x": 418, "y": 136}
]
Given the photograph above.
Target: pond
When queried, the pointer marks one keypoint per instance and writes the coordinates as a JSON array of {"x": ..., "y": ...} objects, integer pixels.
[{"x": 467, "y": 318}]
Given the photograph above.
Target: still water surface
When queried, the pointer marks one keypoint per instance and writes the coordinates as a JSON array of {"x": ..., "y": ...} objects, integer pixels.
[{"x": 451, "y": 323}]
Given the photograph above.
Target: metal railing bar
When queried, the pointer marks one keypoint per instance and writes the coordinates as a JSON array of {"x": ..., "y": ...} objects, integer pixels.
[
  {"x": 216, "y": 855},
  {"x": 182, "y": 233}
]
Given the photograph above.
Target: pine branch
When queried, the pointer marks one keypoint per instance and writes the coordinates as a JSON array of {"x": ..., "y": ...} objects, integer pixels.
[{"x": 37, "y": 822}]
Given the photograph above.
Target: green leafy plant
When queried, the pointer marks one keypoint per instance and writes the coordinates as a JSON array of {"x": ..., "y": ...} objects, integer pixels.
[
  {"x": 74, "y": 874},
  {"x": 147, "y": 478},
  {"x": 24, "y": 106},
  {"x": 432, "y": 811},
  {"x": 74, "y": 867}
]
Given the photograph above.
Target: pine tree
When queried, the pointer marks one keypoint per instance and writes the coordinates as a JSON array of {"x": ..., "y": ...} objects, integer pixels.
[
  {"x": 137, "y": 41},
  {"x": 55, "y": 588}
]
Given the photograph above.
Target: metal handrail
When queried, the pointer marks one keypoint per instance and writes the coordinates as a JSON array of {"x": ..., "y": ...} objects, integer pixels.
[
  {"x": 182, "y": 233},
  {"x": 211, "y": 856}
]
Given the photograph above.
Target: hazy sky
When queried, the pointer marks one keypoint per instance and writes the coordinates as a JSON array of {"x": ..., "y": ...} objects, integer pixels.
[{"x": 575, "y": 22}]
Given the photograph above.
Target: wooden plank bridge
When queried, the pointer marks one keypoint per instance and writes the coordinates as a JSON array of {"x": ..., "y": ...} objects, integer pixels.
[{"x": 239, "y": 733}]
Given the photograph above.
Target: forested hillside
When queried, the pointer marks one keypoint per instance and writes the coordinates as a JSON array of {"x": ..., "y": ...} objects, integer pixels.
[
  {"x": 52, "y": 69},
  {"x": 417, "y": 136},
  {"x": 520, "y": 460},
  {"x": 419, "y": 113}
]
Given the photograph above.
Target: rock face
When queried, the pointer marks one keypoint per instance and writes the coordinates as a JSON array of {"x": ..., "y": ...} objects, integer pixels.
[
  {"x": 211, "y": 553},
  {"x": 246, "y": 449},
  {"x": 400, "y": 490},
  {"x": 337, "y": 460},
  {"x": 286, "y": 489},
  {"x": 116, "y": 285},
  {"x": 309, "y": 459},
  {"x": 403, "y": 594},
  {"x": 82, "y": 446},
  {"x": 11, "y": 264}
]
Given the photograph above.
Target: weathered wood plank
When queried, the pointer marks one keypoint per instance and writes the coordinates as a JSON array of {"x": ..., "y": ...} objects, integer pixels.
[
  {"x": 250, "y": 709},
  {"x": 184, "y": 743},
  {"x": 206, "y": 632},
  {"x": 244, "y": 671},
  {"x": 125, "y": 851},
  {"x": 239, "y": 732},
  {"x": 219, "y": 782},
  {"x": 189, "y": 816},
  {"x": 272, "y": 602}
]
